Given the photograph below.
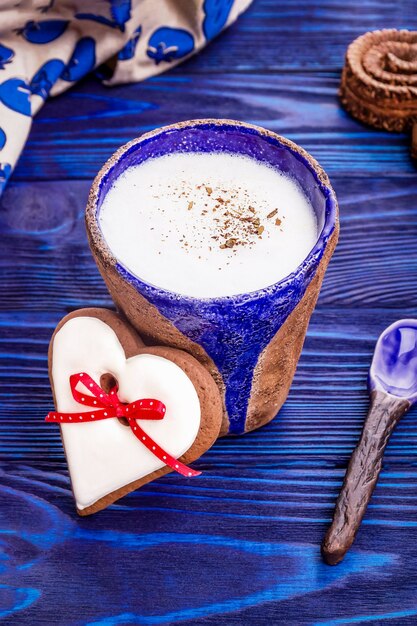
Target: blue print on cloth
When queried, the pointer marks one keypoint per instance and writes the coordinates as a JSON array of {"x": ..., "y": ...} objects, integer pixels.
[
  {"x": 5, "y": 171},
  {"x": 46, "y": 76},
  {"x": 6, "y": 55},
  {"x": 52, "y": 44},
  {"x": 82, "y": 61},
  {"x": 216, "y": 14},
  {"x": 128, "y": 52},
  {"x": 14, "y": 94},
  {"x": 119, "y": 10},
  {"x": 3, "y": 138},
  {"x": 167, "y": 44},
  {"x": 44, "y": 31}
]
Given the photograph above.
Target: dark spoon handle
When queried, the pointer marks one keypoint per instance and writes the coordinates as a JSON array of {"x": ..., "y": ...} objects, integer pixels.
[{"x": 362, "y": 474}]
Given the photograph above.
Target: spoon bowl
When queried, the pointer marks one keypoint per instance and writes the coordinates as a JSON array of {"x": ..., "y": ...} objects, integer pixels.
[{"x": 394, "y": 365}]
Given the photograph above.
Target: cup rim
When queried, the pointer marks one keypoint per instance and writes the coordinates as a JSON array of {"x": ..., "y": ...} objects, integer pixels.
[{"x": 331, "y": 217}]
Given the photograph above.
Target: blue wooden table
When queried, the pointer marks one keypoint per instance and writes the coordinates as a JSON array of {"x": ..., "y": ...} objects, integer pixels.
[{"x": 240, "y": 544}]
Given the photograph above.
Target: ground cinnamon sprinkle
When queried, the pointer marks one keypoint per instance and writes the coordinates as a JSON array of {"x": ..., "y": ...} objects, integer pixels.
[{"x": 237, "y": 222}]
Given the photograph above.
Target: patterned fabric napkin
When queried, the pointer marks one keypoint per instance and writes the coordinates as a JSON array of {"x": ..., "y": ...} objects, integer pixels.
[{"x": 47, "y": 45}]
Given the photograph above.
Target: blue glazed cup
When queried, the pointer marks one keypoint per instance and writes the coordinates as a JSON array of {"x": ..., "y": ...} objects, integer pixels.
[{"x": 250, "y": 342}]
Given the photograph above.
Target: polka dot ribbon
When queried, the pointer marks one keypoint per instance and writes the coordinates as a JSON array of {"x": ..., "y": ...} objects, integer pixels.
[{"x": 107, "y": 405}]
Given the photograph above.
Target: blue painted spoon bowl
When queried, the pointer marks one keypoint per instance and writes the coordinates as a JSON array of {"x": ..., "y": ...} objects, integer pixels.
[{"x": 393, "y": 390}]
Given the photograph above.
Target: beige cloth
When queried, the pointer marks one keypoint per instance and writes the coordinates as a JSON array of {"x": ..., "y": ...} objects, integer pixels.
[{"x": 47, "y": 45}]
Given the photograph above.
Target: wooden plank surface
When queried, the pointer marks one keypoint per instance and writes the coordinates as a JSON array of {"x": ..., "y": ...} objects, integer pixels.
[
  {"x": 240, "y": 544},
  {"x": 237, "y": 546},
  {"x": 322, "y": 417},
  {"x": 45, "y": 246},
  {"x": 274, "y": 36},
  {"x": 76, "y": 133}
]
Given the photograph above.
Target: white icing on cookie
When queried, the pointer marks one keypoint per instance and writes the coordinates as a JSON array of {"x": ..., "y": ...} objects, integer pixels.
[{"x": 104, "y": 456}]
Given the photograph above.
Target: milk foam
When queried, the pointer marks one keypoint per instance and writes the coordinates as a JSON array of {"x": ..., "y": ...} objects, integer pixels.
[{"x": 208, "y": 224}]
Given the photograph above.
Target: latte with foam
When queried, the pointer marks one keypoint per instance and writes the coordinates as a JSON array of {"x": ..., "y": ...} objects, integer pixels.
[{"x": 208, "y": 224}]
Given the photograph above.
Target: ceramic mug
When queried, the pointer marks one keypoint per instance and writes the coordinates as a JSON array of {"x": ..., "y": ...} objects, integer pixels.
[{"x": 249, "y": 342}]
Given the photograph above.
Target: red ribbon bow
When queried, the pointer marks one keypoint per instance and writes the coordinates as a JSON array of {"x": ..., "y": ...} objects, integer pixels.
[{"x": 108, "y": 405}]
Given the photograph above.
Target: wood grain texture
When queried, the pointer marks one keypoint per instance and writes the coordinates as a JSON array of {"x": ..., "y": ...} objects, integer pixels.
[
  {"x": 321, "y": 418},
  {"x": 237, "y": 546},
  {"x": 74, "y": 134},
  {"x": 291, "y": 36},
  {"x": 46, "y": 251},
  {"x": 240, "y": 544}
]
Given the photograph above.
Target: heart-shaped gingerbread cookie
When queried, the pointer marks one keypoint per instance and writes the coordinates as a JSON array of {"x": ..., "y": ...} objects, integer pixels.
[{"x": 105, "y": 458}]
